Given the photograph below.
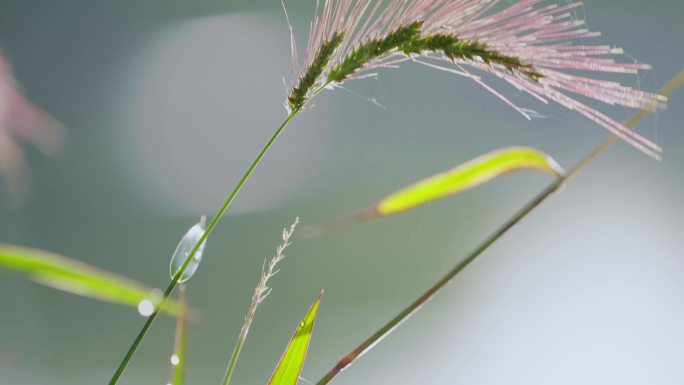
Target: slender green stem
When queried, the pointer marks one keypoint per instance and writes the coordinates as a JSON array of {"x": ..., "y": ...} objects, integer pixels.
[
  {"x": 210, "y": 228},
  {"x": 390, "y": 326},
  {"x": 233, "y": 359},
  {"x": 178, "y": 375}
]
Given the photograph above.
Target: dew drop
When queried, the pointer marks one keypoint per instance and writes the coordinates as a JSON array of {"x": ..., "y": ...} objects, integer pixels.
[
  {"x": 145, "y": 308},
  {"x": 175, "y": 360},
  {"x": 184, "y": 249}
]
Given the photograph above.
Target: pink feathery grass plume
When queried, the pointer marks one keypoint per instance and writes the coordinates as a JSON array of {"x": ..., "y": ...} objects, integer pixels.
[
  {"x": 529, "y": 44},
  {"x": 19, "y": 119}
]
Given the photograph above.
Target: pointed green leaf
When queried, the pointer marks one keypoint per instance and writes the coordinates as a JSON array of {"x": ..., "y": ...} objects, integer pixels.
[
  {"x": 290, "y": 365},
  {"x": 466, "y": 176},
  {"x": 460, "y": 178},
  {"x": 66, "y": 274}
]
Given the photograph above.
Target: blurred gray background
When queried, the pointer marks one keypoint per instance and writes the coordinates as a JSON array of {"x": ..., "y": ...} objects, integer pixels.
[{"x": 166, "y": 102}]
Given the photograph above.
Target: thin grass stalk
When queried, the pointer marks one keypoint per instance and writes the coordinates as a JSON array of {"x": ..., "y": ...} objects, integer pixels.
[
  {"x": 169, "y": 289},
  {"x": 178, "y": 357},
  {"x": 395, "y": 322},
  {"x": 234, "y": 358},
  {"x": 261, "y": 291}
]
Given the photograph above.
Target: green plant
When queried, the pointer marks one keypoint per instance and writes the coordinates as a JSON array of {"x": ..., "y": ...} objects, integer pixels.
[
  {"x": 348, "y": 40},
  {"x": 351, "y": 40}
]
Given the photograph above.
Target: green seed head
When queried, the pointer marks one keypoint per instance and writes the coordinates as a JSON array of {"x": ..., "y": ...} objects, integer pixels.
[{"x": 299, "y": 94}]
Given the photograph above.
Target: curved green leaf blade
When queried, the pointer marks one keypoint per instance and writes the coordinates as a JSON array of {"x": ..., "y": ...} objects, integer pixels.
[
  {"x": 66, "y": 274},
  {"x": 290, "y": 365},
  {"x": 458, "y": 179},
  {"x": 467, "y": 176}
]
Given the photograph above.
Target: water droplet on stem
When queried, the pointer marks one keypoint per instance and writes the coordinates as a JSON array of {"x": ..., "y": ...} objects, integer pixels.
[{"x": 185, "y": 247}]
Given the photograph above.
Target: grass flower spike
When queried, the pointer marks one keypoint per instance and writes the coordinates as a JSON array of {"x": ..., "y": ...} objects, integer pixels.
[
  {"x": 529, "y": 44},
  {"x": 261, "y": 291}
]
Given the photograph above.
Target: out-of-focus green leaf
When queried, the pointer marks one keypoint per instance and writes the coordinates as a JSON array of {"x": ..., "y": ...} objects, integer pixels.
[
  {"x": 466, "y": 176},
  {"x": 290, "y": 365},
  {"x": 66, "y": 274}
]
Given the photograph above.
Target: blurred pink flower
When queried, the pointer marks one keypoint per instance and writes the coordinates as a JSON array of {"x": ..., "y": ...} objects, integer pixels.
[
  {"x": 19, "y": 119},
  {"x": 538, "y": 37}
]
